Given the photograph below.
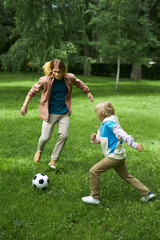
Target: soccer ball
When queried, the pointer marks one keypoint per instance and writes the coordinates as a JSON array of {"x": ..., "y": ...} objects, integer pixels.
[{"x": 40, "y": 180}]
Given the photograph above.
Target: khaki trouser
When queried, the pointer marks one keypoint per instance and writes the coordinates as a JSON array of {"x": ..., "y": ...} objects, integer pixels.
[
  {"x": 120, "y": 167},
  {"x": 63, "y": 121}
]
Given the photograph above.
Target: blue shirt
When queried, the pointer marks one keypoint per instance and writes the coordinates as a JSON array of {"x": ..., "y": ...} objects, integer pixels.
[
  {"x": 57, "y": 101},
  {"x": 106, "y": 131}
]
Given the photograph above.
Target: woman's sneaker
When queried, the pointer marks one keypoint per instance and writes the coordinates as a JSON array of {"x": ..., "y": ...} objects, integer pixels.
[
  {"x": 37, "y": 157},
  {"x": 52, "y": 164},
  {"x": 91, "y": 200},
  {"x": 148, "y": 197}
]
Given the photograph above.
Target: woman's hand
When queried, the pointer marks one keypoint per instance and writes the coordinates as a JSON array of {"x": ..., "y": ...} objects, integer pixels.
[
  {"x": 90, "y": 97},
  {"x": 25, "y": 104},
  {"x": 139, "y": 148},
  {"x": 24, "y": 110}
]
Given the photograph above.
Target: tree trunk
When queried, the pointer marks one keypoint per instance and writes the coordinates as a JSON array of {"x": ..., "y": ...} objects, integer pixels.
[
  {"x": 87, "y": 47},
  {"x": 136, "y": 72},
  {"x": 87, "y": 69},
  {"x": 118, "y": 73}
]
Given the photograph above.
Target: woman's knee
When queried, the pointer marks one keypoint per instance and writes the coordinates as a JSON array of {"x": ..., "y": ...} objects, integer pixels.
[
  {"x": 63, "y": 136},
  {"x": 44, "y": 138}
]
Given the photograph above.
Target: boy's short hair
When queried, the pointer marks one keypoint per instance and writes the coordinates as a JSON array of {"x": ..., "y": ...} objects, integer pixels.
[{"x": 104, "y": 109}]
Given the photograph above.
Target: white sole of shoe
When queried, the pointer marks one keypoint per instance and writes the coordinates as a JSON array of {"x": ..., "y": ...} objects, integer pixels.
[
  {"x": 149, "y": 197},
  {"x": 86, "y": 200},
  {"x": 51, "y": 166}
]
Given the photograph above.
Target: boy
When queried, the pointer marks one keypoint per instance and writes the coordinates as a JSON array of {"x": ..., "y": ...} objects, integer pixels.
[{"x": 110, "y": 137}]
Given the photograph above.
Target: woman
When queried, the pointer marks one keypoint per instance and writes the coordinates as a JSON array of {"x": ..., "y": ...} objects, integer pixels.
[{"x": 55, "y": 105}]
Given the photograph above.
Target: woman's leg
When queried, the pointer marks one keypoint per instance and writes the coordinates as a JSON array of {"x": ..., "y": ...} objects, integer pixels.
[
  {"x": 63, "y": 127},
  {"x": 47, "y": 129}
]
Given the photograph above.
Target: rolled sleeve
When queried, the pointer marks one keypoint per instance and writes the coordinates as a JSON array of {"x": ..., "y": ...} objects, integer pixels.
[
  {"x": 36, "y": 88},
  {"x": 31, "y": 94}
]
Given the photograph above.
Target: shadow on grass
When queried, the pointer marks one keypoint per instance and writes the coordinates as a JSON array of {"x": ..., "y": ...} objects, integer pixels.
[
  {"x": 19, "y": 76},
  {"x": 19, "y": 93}
]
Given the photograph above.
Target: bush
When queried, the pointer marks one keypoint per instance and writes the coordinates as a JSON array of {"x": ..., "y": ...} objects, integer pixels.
[
  {"x": 152, "y": 72},
  {"x": 106, "y": 69}
]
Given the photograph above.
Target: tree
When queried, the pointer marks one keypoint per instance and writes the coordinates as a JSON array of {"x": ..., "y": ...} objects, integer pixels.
[
  {"x": 45, "y": 30},
  {"x": 90, "y": 51},
  {"x": 40, "y": 31},
  {"x": 6, "y": 26},
  {"x": 124, "y": 33},
  {"x": 152, "y": 9},
  {"x": 76, "y": 18},
  {"x": 78, "y": 31},
  {"x": 154, "y": 16}
]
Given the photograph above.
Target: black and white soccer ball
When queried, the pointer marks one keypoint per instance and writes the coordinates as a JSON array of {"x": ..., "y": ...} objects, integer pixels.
[{"x": 40, "y": 180}]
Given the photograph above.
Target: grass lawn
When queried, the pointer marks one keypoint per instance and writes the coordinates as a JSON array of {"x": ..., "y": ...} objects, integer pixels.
[{"x": 58, "y": 212}]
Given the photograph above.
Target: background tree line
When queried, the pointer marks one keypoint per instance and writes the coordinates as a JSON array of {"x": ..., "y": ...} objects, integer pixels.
[{"x": 80, "y": 32}]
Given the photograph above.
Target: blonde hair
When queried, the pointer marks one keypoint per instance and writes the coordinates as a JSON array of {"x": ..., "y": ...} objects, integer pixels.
[
  {"x": 104, "y": 109},
  {"x": 49, "y": 66}
]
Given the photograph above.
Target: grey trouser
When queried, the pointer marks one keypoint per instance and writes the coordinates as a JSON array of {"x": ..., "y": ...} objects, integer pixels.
[
  {"x": 120, "y": 167},
  {"x": 62, "y": 121}
]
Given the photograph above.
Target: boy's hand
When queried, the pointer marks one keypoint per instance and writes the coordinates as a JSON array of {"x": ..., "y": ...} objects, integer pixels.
[
  {"x": 93, "y": 138},
  {"x": 139, "y": 148}
]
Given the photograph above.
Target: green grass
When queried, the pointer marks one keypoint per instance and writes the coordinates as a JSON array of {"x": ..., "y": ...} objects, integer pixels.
[{"x": 58, "y": 212}]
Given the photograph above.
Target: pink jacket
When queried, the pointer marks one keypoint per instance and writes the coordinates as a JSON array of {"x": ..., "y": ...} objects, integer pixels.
[{"x": 45, "y": 84}]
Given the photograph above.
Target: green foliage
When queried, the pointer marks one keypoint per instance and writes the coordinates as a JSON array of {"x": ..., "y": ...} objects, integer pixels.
[
  {"x": 58, "y": 30},
  {"x": 109, "y": 69},
  {"x": 6, "y": 26},
  {"x": 58, "y": 213},
  {"x": 15, "y": 57},
  {"x": 79, "y": 31},
  {"x": 124, "y": 30},
  {"x": 42, "y": 36}
]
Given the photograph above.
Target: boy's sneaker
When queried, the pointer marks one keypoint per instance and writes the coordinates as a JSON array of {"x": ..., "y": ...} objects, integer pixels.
[
  {"x": 148, "y": 197},
  {"x": 91, "y": 200}
]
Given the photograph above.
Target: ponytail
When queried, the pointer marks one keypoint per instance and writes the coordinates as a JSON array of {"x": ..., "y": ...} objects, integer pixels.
[{"x": 47, "y": 68}]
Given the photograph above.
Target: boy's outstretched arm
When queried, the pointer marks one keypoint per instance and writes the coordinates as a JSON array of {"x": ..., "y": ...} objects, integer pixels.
[{"x": 121, "y": 134}]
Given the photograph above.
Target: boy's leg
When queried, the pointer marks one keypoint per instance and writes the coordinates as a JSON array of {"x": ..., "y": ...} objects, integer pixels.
[
  {"x": 123, "y": 173},
  {"x": 63, "y": 127},
  {"x": 102, "y": 166}
]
